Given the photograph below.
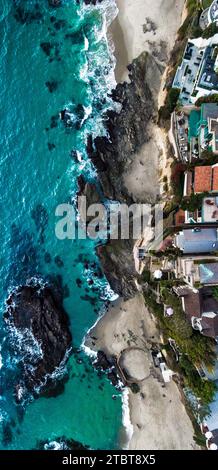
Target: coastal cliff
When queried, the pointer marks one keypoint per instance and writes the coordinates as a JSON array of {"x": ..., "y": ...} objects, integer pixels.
[{"x": 127, "y": 130}]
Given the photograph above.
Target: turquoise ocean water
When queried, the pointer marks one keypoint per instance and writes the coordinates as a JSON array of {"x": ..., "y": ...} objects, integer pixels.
[{"x": 37, "y": 173}]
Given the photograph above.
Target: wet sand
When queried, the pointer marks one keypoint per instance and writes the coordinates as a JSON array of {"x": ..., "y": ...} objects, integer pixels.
[{"x": 158, "y": 417}]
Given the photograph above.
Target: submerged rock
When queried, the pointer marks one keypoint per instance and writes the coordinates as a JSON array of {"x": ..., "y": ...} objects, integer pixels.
[
  {"x": 24, "y": 15},
  {"x": 92, "y": 2},
  {"x": 7, "y": 434},
  {"x": 55, "y": 3},
  {"x": 61, "y": 443},
  {"x": 52, "y": 85},
  {"x": 40, "y": 336},
  {"x": 40, "y": 216},
  {"x": 51, "y": 146},
  {"x": 58, "y": 261}
]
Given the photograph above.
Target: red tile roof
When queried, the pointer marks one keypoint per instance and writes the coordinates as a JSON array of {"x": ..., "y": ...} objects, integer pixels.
[
  {"x": 215, "y": 178},
  {"x": 203, "y": 179}
]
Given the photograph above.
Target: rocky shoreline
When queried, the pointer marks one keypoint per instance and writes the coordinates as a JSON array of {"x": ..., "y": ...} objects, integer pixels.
[
  {"x": 40, "y": 338},
  {"x": 127, "y": 133},
  {"x": 127, "y": 130},
  {"x": 119, "y": 158}
]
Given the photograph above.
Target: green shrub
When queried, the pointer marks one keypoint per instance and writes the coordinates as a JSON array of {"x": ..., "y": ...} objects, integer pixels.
[
  {"x": 192, "y": 202},
  {"x": 209, "y": 157},
  {"x": 210, "y": 31},
  {"x": 206, "y": 3},
  {"x": 197, "y": 347},
  {"x": 203, "y": 389},
  {"x": 146, "y": 275},
  {"x": 207, "y": 99},
  {"x": 169, "y": 106},
  {"x": 215, "y": 292}
]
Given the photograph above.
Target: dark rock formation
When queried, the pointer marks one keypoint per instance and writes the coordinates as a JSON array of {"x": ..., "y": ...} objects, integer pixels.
[
  {"x": 52, "y": 85},
  {"x": 118, "y": 265},
  {"x": 92, "y": 2},
  {"x": 55, "y": 3},
  {"x": 89, "y": 190},
  {"x": 127, "y": 130},
  {"x": 40, "y": 335},
  {"x": 73, "y": 117},
  {"x": 103, "y": 363},
  {"x": 27, "y": 16},
  {"x": 92, "y": 195}
]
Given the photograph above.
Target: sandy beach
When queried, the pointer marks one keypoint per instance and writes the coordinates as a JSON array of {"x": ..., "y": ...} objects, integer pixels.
[
  {"x": 157, "y": 414},
  {"x": 144, "y": 26},
  {"x": 158, "y": 417}
]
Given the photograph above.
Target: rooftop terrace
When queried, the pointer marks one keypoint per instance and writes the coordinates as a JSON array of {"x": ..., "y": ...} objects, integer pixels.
[
  {"x": 213, "y": 11},
  {"x": 197, "y": 74}
]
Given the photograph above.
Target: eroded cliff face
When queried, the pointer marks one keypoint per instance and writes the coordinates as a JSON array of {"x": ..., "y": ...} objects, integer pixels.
[
  {"x": 128, "y": 130},
  {"x": 119, "y": 267},
  {"x": 128, "y": 135}
]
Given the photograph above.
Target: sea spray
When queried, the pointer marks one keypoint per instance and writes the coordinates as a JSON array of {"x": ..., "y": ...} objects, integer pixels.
[
  {"x": 34, "y": 175},
  {"x": 126, "y": 417}
]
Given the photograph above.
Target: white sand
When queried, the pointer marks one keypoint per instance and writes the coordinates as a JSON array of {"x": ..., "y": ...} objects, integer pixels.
[
  {"x": 157, "y": 414},
  {"x": 143, "y": 25},
  {"x": 163, "y": 17}
]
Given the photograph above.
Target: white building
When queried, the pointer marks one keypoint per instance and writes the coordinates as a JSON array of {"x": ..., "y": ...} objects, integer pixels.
[
  {"x": 209, "y": 15},
  {"x": 213, "y": 12},
  {"x": 197, "y": 75}
]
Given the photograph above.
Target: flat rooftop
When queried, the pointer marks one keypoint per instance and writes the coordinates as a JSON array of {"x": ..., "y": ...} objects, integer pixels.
[
  {"x": 210, "y": 209},
  {"x": 198, "y": 240},
  {"x": 208, "y": 273},
  {"x": 208, "y": 78},
  {"x": 187, "y": 72}
]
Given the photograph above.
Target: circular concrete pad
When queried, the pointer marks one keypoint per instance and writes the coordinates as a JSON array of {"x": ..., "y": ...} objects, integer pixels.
[{"x": 135, "y": 364}]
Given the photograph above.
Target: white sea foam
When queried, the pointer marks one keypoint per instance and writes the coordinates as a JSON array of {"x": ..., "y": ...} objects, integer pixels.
[
  {"x": 107, "y": 82},
  {"x": 54, "y": 445},
  {"x": 109, "y": 11},
  {"x": 27, "y": 346},
  {"x": 109, "y": 294},
  {"x": 87, "y": 113},
  {"x": 58, "y": 372},
  {"x": 126, "y": 417},
  {"x": 1, "y": 360},
  {"x": 88, "y": 351},
  {"x": 86, "y": 44}
]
